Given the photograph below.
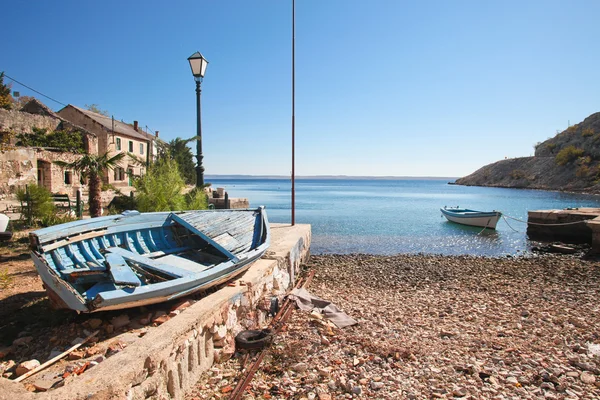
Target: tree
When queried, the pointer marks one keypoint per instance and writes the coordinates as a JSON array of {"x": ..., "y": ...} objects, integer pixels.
[
  {"x": 96, "y": 108},
  {"x": 182, "y": 155},
  {"x": 19, "y": 102},
  {"x": 6, "y": 100},
  {"x": 93, "y": 168}
]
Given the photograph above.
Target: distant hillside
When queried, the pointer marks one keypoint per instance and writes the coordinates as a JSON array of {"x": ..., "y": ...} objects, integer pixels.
[{"x": 570, "y": 161}]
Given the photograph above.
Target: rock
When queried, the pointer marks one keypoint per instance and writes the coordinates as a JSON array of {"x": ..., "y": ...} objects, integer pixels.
[
  {"x": 586, "y": 377},
  {"x": 94, "y": 323},
  {"x": 181, "y": 305},
  {"x": 5, "y": 351},
  {"x": 299, "y": 367},
  {"x": 160, "y": 319},
  {"x": 120, "y": 321},
  {"x": 377, "y": 385},
  {"x": 22, "y": 340},
  {"x": 7, "y": 366},
  {"x": 27, "y": 366},
  {"x": 460, "y": 392},
  {"x": 76, "y": 355}
]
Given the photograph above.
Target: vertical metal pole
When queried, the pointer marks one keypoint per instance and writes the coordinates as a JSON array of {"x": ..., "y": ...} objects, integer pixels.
[
  {"x": 199, "y": 168},
  {"x": 293, "y": 111}
]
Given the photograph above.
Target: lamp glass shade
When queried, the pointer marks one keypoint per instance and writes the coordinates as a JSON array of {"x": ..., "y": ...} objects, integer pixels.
[{"x": 198, "y": 64}]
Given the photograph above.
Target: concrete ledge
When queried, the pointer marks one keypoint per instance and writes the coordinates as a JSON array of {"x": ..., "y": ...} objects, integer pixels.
[
  {"x": 561, "y": 224},
  {"x": 169, "y": 359}
]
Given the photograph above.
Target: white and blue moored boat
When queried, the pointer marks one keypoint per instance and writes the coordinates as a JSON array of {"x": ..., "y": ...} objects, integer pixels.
[
  {"x": 483, "y": 219},
  {"x": 134, "y": 259}
]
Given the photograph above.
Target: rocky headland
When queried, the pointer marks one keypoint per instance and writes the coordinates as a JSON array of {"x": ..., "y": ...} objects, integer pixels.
[{"x": 570, "y": 161}]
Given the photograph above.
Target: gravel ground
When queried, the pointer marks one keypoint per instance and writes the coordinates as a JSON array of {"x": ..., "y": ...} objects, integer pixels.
[{"x": 436, "y": 327}]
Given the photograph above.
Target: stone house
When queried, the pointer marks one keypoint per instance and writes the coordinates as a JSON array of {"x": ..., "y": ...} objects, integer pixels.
[
  {"x": 116, "y": 137},
  {"x": 20, "y": 166}
]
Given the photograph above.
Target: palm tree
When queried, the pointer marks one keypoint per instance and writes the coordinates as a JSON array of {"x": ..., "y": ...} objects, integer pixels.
[{"x": 93, "y": 167}]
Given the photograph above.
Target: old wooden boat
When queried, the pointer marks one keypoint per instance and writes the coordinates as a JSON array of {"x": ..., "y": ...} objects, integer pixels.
[
  {"x": 135, "y": 259},
  {"x": 464, "y": 216}
]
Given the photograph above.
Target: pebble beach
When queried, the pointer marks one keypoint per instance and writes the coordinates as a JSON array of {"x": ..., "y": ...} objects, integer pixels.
[{"x": 448, "y": 327}]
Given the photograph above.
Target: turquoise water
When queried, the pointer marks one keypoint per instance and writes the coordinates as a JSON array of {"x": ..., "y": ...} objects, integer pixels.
[{"x": 399, "y": 216}]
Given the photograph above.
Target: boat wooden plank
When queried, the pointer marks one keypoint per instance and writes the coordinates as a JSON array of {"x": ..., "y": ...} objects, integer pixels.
[
  {"x": 160, "y": 253},
  {"x": 216, "y": 245},
  {"x": 85, "y": 251},
  {"x": 227, "y": 241},
  {"x": 113, "y": 224},
  {"x": 121, "y": 273},
  {"x": 99, "y": 288},
  {"x": 184, "y": 263},
  {"x": 59, "y": 262},
  {"x": 92, "y": 245},
  {"x": 229, "y": 223},
  {"x": 149, "y": 263},
  {"x": 73, "y": 253}
]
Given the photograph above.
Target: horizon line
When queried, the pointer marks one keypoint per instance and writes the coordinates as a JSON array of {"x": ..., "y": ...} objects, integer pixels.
[{"x": 328, "y": 176}]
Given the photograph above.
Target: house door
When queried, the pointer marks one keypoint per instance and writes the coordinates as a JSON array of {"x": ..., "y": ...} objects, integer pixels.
[
  {"x": 130, "y": 176},
  {"x": 40, "y": 177}
]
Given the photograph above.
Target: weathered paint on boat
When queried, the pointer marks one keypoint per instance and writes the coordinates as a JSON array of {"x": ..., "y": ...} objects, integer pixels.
[
  {"x": 483, "y": 219},
  {"x": 135, "y": 259}
]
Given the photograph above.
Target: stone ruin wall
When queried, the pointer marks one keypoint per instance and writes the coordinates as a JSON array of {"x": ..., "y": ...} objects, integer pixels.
[
  {"x": 17, "y": 168},
  {"x": 22, "y": 122}
]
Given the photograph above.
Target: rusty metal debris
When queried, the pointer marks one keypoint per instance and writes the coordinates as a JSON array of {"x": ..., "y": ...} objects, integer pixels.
[{"x": 275, "y": 326}]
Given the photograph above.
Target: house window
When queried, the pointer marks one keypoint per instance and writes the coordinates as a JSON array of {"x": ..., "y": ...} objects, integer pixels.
[
  {"x": 118, "y": 143},
  {"x": 130, "y": 146},
  {"x": 141, "y": 148},
  {"x": 119, "y": 174},
  {"x": 68, "y": 177}
]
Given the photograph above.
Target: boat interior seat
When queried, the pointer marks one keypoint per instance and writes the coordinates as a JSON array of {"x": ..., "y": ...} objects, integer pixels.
[
  {"x": 120, "y": 272},
  {"x": 173, "y": 271}
]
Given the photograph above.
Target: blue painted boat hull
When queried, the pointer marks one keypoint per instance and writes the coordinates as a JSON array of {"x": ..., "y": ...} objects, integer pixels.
[
  {"x": 136, "y": 259},
  {"x": 482, "y": 219}
]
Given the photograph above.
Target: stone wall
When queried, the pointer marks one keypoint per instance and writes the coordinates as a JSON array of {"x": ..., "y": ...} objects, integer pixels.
[
  {"x": 17, "y": 168},
  {"x": 22, "y": 122}
]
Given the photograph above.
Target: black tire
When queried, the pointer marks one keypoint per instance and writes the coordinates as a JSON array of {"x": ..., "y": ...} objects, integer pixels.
[
  {"x": 5, "y": 236},
  {"x": 253, "y": 339}
]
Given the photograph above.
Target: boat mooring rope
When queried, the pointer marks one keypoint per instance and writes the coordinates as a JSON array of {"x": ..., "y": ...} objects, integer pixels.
[{"x": 538, "y": 224}]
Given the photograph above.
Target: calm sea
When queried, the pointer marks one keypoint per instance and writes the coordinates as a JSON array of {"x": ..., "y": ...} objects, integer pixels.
[{"x": 399, "y": 216}]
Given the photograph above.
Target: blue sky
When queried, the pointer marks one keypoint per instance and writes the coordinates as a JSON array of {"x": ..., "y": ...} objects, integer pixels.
[{"x": 427, "y": 88}]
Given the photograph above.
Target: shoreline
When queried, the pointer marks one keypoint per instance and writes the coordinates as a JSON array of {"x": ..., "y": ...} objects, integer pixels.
[{"x": 436, "y": 327}]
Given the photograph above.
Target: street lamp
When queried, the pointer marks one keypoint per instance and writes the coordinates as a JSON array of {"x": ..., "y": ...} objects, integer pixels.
[{"x": 198, "y": 64}]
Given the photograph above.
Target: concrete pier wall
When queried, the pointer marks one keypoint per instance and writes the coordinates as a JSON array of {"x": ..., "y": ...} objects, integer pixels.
[
  {"x": 566, "y": 225},
  {"x": 169, "y": 359}
]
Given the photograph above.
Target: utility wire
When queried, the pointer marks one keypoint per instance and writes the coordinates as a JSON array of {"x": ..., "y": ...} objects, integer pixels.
[{"x": 40, "y": 93}]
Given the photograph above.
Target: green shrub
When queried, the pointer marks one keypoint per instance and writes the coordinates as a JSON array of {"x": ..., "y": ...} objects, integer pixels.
[
  {"x": 196, "y": 199},
  {"x": 517, "y": 174},
  {"x": 582, "y": 171},
  {"x": 63, "y": 140},
  {"x": 568, "y": 154},
  {"x": 122, "y": 203},
  {"x": 5, "y": 278},
  {"x": 36, "y": 204},
  {"x": 56, "y": 219},
  {"x": 551, "y": 147},
  {"x": 571, "y": 130},
  {"x": 161, "y": 189},
  {"x": 587, "y": 132}
]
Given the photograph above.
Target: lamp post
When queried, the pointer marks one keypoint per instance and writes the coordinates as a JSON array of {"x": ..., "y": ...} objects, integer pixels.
[{"x": 198, "y": 64}]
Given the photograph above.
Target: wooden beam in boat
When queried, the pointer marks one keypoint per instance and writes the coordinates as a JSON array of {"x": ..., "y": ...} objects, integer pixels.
[
  {"x": 146, "y": 262},
  {"x": 210, "y": 241},
  {"x": 121, "y": 273}
]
